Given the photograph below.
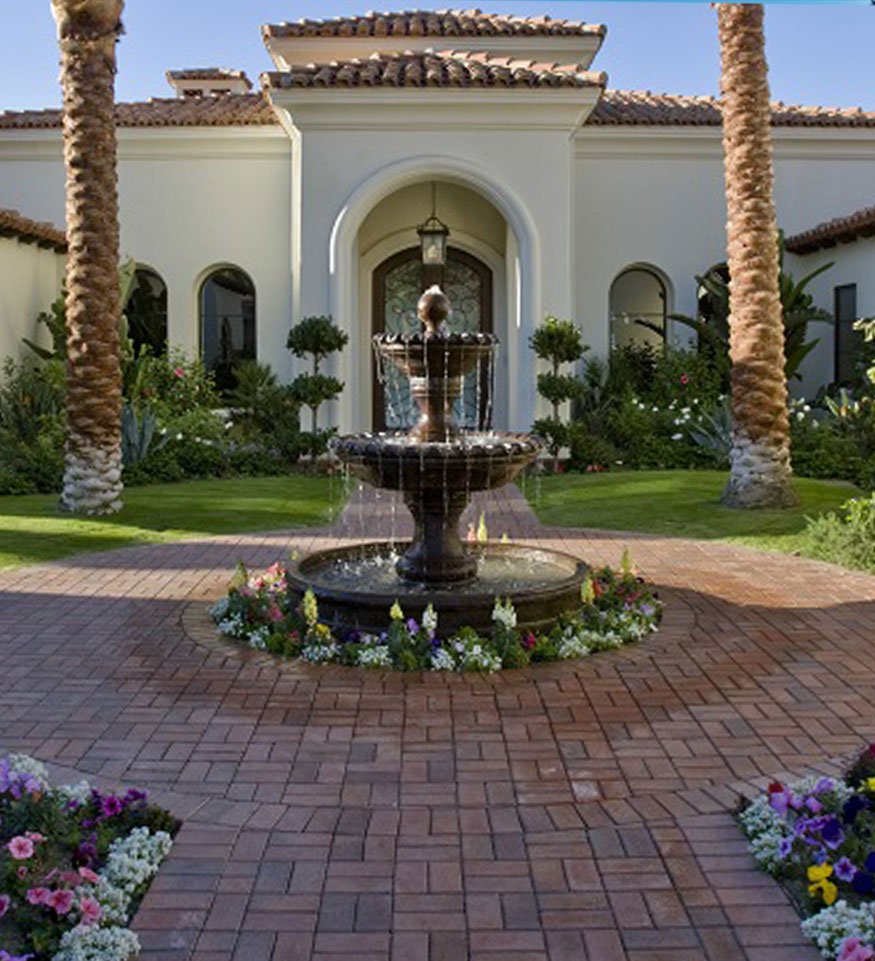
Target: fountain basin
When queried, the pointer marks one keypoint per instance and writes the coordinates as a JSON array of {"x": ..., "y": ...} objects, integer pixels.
[
  {"x": 474, "y": 462},
  {"x": 356, "y": 586},
  {"x": 436, "y": 481}
]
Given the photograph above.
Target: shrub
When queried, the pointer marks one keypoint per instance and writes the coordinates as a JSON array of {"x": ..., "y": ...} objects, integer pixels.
[
  {"x": 848, "y": 538},
  {"x": 558, "y": 342}
]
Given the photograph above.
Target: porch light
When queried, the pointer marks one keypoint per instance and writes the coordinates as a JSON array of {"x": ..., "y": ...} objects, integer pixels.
[{"x": 433, "y": 236}]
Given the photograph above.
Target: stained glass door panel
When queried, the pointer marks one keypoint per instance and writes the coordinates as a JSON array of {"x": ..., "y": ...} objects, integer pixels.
[{"x": 397, "y": 288}]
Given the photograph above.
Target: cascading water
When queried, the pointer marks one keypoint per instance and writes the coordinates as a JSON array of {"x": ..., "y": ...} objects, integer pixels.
[{"x": 436, "y": 466}]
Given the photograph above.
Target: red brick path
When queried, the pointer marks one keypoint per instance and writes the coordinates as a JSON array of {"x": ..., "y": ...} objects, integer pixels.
[{"x": 573, "y": 812}]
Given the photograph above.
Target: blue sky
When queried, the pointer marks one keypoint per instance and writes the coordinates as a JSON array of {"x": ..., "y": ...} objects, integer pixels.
[{"x": 818, "y": 52}]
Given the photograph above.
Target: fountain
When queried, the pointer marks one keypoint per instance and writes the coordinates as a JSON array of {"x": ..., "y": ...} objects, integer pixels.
[{"x": 436, "y": 467}]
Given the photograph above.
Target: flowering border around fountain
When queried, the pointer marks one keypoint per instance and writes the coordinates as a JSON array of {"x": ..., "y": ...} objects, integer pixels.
[
  {"x": 616, "y": 608},
  {"x": 74, "y": 865},
  {"x": 816, "y": 837}
]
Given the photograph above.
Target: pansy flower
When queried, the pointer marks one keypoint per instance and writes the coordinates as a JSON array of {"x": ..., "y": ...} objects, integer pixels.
[{"x": 845, "y": 869}]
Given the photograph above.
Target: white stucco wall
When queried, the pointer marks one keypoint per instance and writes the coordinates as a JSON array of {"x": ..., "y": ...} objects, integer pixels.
[
  {"x": 853, "y": 263},
  {"x": 656, "y": 196},
  {"x": 190, "y": 199},
  {"x": 30, "y": 279}
]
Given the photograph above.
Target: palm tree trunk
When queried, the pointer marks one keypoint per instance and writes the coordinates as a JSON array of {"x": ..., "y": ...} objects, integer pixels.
[
  {"x": 760, "y": 459},
  {"x": 87, "y": 34}
]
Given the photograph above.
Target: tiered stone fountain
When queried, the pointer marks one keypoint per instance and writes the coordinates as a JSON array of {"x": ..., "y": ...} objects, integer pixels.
[{"x": 436, "y": 467}]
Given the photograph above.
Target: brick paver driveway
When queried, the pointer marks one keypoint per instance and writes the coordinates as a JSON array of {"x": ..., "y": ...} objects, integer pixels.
[{"x": 568, "y": 812}]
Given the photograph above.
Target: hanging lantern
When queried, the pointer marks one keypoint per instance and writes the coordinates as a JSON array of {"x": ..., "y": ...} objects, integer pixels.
[{"x": 433, "y": 236}]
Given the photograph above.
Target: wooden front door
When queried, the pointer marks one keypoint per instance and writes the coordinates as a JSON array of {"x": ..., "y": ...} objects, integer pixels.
[{"x": 397, "y": 286}]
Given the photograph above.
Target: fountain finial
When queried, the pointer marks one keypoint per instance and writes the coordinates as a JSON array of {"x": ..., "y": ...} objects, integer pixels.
[{"x": 433, "y": 309}]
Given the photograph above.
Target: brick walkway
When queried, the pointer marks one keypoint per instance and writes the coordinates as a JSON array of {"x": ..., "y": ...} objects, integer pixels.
[{"x": 574, "y": 812}]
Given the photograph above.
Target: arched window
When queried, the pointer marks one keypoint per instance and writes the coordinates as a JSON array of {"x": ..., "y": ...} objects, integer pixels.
[
  {"x": 146, "y": 311},
  {"x": 227, "y": 309},
  {"x": 638, "y": 306}
]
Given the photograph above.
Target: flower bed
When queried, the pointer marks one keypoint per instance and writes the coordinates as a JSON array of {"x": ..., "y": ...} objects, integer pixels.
[
  {"x": 817, "y": 837},
  {"x": 74, "y": 865},
  {"x": 616, "y": 608}
]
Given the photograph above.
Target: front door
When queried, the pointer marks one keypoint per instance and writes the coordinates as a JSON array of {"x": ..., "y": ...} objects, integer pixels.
[{"x": 398, "y": 284}]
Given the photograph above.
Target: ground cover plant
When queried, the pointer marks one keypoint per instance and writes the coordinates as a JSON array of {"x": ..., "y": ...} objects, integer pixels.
[
  {"x": 817, "y": 837},
  {"x": 33, "y": 531},
  {"x": 74, "y": 864},
  {"x": 678, "y": 504},
  {"x": 616, "y": 608}
]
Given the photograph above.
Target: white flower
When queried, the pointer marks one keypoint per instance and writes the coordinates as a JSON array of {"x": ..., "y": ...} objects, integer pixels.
[
  {"x": 320, "y": 653},
  {"x": 677, "y": 436},
  {"x": 91, "y": 943},
  {"x": 829, "y": 927},
  {"x": 179, "y": 436},
  {"x": 375, "y": 657},
  {"x": 504, "y": 613},
  {"x": 442, "y": 660},
  {"x": 430, "y": 618},
  {"x": 80, "y": 793}
]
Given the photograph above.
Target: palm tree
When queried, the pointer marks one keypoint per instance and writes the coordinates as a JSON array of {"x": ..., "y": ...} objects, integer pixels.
[
  {"x": 87, "y": 34},
  {"x": 760, "y": 459}
]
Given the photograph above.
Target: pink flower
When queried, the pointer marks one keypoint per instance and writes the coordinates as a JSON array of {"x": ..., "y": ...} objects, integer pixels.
[
  {"x": 34, "y": 836},
  {"x": 22, "y": 872},
  {"x": 274, "y": 613},
  {"x": 61, "y": 901},
  {"x": 853, "y": 949},
  {"x": 5, "y": 901},
  {"x": 90, "y": 910},
  {"x": 38, "y": 896},
  {"x": 88, "y": 875},
  {"x": 20, "y": 848},
  {"x": 179, "y": 372},
  {"x": 685, "y": 379}
]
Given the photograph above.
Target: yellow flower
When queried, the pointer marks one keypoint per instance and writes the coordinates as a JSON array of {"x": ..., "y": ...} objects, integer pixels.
[
  {"x": 819, "y": 872},
  {"x": 395, "y": 612},
  {"x": 322, "y": 631},
  {"x": 587, "y": 590},
  {"x": 827, "y": 890},
  {"x": 870, "y": 784},
  {"x": 482, "y": 530}
]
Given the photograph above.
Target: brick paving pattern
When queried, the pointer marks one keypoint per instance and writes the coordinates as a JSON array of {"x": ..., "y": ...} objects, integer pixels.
[{"x": 570, "y": 812}]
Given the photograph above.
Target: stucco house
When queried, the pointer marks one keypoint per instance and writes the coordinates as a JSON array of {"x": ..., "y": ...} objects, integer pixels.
[{"x": 250, "y": 210}]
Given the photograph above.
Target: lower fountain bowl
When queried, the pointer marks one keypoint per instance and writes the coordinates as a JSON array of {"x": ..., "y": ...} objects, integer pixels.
[{"x": 355, "y": 587}]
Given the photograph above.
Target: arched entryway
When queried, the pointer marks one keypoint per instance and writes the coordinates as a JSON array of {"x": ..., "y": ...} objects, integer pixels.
[
  {"x": 397, "y": 284},
  {"x": 146, "y": 311}
]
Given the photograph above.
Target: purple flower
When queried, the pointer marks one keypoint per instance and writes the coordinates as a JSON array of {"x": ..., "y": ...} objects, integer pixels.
[
  {"x": 869, "y": 863},
  {"x": 824, "y": 786},
  {"x": 780, "y": 800},
  {"x": 412, "y": 626},
  {"x": 813, "y": 805},
  {"x": 785, "y": 847},
  {"x": 832, "y": 833},
  {"x": 135, "y": 797},
  {"x": 5, "y": 901},
  {"x": 6, "y": 956},
  {"x": 845, "y": 870},
  {"x": 111, "y": 805},
  {"x": 85, "y": 855},
  {"x": 853, "y": 806},
  {"x": 863, "y": 882}
]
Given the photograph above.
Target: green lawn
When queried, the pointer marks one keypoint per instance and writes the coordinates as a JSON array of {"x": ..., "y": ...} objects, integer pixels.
[
  {"x": 32, "y": 530},
  {"x": 680, "y": 504}
]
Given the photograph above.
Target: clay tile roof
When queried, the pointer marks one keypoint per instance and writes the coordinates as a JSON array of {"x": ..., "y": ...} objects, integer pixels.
[
  {"x": 209, "y": 73},
  {"x": 434, "y": 23},
  {"x": 842, "y": 230},
  {"x": 434, "y": 69},
  {"x": 643, "y": 108},
  {"x": 232, "y": 110},
  {"x": 13, "y": 224}
]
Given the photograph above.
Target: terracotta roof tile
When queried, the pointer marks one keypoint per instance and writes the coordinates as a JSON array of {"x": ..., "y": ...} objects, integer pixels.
[
  {"x": 209, "y": 73},
  {"x": 643, "y": 108},
  {"x": 842, "y": 230},
  {"x": 439, "y": 69},
  {"x": 231, "y": 110},
  {"x": 434, "y": 23},
  {"x": 13, "y": 224}
]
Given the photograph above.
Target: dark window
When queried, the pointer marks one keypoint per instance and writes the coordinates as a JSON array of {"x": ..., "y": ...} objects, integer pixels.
[
  {"x": 146, "y": 312},
  {"x": 227, "y": 305},
  {"x": 848, "y": 342}
]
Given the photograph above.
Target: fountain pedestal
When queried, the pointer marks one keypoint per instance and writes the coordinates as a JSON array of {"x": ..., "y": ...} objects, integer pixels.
[{"x": 436, "y": 554}]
